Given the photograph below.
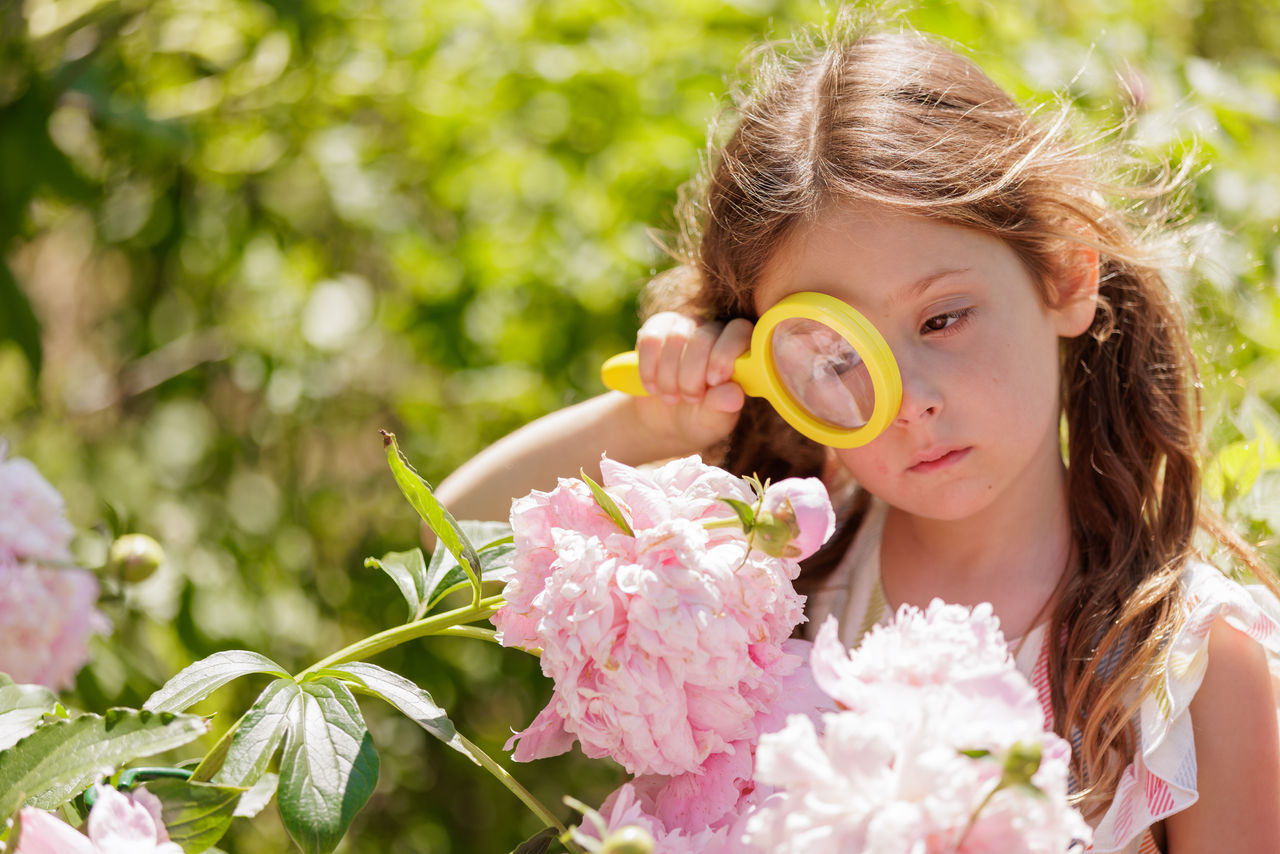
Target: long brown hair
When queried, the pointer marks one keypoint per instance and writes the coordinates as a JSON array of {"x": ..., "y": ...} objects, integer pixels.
[{"x": 903, "y": 121}]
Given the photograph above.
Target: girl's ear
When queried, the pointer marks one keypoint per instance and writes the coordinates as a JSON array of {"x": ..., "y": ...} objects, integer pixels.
[{"x": 1076, "y": 292}]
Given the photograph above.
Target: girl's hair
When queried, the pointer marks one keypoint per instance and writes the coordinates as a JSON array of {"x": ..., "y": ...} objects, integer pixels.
[{"x": 896, "y": 119}]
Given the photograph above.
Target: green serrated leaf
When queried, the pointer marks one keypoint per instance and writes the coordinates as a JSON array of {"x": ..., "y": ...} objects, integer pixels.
[
  {"x": 400, "y": 692},
  {"x": 746, "y": 513},
  {"x": 329, "y": 767},
  {"x": 258, "y": 735},
  {"x": 539, "y": 843},
  {"x": 435, "y": 514},
  {"x": 607, "y": 504},
  {"x": 196, "y": 815},
  {"x": 409, "y": 571},
  {"x": 21, "y": 708},
  {"x": 61, "y": 758},
  {"x": 196, "y": 681}
]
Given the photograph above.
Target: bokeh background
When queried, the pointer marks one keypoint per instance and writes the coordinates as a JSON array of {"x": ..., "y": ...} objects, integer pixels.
[{"x": 239, "y": 237}]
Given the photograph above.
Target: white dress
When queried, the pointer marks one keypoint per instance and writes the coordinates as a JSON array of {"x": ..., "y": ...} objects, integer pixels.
[{"x": 1161, "y": 779}]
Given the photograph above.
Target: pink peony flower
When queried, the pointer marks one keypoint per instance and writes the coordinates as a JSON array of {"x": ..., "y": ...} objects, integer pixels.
[
  {"x": 795, "y": 517},
  {"x": 887, "y": 773},
  {"x": 664, "y": 645},
  {"x": 46, "y": 618},
  {"x": 33, "y": 523},
  {"x": 625, "y": 810},
  {"x": 46, "y": 614},
  {"x": 716, "y": 793},
  {"x": 117, "y": 824}
]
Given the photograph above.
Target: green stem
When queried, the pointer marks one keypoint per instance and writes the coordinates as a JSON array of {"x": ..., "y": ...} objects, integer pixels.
[
  {"x": 385, "y": 640},
  {"x": 973, "y": 818},
  {"x": 479, "y": 634},
  {"x": 525, "y": 796}
]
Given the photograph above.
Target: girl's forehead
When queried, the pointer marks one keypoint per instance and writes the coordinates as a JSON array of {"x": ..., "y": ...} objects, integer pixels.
[{"x": 873, "y": 253}]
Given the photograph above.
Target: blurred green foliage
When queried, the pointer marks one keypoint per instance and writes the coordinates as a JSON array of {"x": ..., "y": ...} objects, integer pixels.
[{"x": 237, "y": 237}]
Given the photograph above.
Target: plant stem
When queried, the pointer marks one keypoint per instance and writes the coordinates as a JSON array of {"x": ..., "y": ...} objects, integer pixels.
[
  {"x": 385, "y": 640},
  {"x": 481, "y": 634},
  {"x": 520, "y": 792}
]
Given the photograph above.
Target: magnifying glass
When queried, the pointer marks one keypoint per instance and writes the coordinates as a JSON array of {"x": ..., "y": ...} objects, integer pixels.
[{"x": 826, "y": 370}]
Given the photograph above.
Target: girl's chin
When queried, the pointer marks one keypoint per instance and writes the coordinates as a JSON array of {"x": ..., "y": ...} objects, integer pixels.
[{"x": 952, "y": 503}]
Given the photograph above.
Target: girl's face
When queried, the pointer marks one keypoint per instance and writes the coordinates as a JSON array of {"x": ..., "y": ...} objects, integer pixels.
[{"x": 976, "y": 345}]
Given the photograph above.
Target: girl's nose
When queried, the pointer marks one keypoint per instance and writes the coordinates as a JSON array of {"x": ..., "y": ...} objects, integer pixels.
[{"x": 921, "y": 399}]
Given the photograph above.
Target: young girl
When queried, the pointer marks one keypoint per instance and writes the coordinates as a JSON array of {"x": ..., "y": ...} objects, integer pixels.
[{"x": 889, "y": 172}]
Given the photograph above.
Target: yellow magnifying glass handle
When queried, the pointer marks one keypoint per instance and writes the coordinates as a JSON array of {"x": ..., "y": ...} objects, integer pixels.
[{"x": 622, "y": 373}]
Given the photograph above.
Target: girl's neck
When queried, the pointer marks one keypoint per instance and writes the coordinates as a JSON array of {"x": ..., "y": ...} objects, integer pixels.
[{"x": 1012, "y": 554}]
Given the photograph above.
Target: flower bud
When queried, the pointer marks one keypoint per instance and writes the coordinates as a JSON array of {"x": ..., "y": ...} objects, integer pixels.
[
  {"x": 134, "y": 557},
  {"x": 795, "y": 518},
  {"x": 631, "y": 839},
  {"x": 1021, "y": 764}
]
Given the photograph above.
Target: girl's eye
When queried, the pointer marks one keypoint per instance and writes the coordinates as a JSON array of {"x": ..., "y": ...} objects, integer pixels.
[{"x": 947, "y": 321}]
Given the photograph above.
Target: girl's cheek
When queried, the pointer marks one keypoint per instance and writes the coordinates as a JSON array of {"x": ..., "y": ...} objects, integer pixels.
[{"x": 871, "y": 460}]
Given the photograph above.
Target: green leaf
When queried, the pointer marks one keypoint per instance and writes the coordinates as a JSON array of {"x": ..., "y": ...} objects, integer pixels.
[
  {"x": 435, "y": 514},
  {"x": 256, "y": 799},
  {"x": 196, "y": 815},
  {"x": 405, "y": 696},
  {"x": 329, "y": 767},
  {"x": 61, "y": 758},
  {"x": 608, "y": 505},
  {"x": 196, "y": 681},
  {"x": 21, "y": 708},
  {"x": 258, "y": 735},
  {"x": 409, "y": 571},
  {"x": 539, "y": 843},
  {"x": 444, "y": 573},
  {"x": 746, "y": 513}
]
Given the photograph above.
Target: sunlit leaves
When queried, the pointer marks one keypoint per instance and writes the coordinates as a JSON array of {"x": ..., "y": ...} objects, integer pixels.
[
  {"x": 329, "y": 766},
  {"x": 21, "y": 708},
  {"x": 197, "y": 681},
  {"x": 414, "y": 702},
  {"x": 63, "y": 757}
]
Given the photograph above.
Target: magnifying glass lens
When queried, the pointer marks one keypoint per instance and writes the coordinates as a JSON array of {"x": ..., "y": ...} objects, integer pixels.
[{"x": 823, "y": 372}]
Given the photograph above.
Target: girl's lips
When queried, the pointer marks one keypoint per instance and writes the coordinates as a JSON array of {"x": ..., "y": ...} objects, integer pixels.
[{"x": 938, "y": 459}]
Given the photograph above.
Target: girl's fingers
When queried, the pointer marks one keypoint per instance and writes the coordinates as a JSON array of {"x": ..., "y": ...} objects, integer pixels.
[
  {"x": 659, "y": 347},
  {"x": 681, "y": 359},
  {"x": 693, "y": 377},
  {"x": 726, "y": 397},
  {"x": 733, "y": 341}
]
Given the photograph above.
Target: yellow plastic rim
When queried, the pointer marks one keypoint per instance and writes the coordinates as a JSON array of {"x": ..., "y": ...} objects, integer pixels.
[{"x": 759, "y": 376}]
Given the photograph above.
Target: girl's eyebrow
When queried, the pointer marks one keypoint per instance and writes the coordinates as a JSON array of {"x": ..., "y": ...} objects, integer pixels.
[{"x": 914, "y": 290}]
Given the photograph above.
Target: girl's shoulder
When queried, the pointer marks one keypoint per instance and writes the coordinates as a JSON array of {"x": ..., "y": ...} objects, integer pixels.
[{"x": 1161, "y": 779}]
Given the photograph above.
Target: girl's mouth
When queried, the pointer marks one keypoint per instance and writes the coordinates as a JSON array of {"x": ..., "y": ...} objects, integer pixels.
[{"x": 937, "y": 459}]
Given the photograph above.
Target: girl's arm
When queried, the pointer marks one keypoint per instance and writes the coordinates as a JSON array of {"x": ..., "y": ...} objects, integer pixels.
[
  {"x": 1237, "y": 754},
  {"x": 693, "y": 405},
  {"x": 556, "y": 445}
]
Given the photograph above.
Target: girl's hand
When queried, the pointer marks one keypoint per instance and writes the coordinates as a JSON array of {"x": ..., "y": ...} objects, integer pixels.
[{"x": 686, "y": 367}]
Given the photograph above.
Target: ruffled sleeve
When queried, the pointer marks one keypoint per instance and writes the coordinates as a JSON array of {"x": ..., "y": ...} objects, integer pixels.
[{"x": 1161, "y": 780}]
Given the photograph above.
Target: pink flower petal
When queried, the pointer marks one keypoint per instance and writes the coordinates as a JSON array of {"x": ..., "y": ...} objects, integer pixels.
[{"x": 41, "y": 833}]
